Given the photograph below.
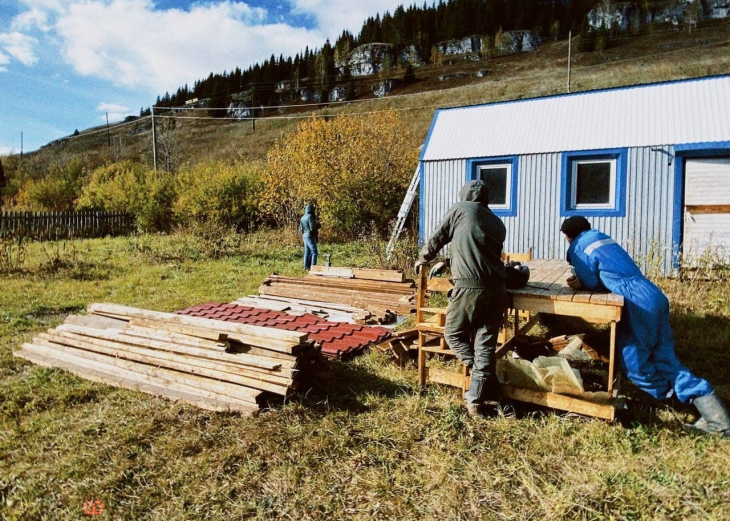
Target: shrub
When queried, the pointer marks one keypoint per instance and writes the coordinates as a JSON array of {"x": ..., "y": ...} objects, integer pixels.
[
  {"x": 190, "y": 243},
  {"x": 12, "y": 254},
  {"x": 130, "y": 187},
  {"x": 218, "y": 193},
  {"x": 354, "y": 168},
  {"x": 57, "y": 190}
]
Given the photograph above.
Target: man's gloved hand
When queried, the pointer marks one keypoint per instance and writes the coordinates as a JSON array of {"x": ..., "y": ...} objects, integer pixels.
[
  {"x": 438, "y": 269},
  {"x": 574, "y": 283},
  {"x": 417, "y": 266}
]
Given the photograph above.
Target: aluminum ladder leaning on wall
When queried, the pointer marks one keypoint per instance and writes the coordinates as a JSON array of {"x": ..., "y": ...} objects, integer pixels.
[{"x": 405, "y": 209}]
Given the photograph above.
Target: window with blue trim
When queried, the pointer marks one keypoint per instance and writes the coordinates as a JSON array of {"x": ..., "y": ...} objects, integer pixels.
[
  {"x": 593, "y": 183},
  {"x": 500, "y": 176}
]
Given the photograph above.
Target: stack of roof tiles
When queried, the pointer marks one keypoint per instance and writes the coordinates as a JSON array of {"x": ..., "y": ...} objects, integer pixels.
[{"x": 337, "y": 340}]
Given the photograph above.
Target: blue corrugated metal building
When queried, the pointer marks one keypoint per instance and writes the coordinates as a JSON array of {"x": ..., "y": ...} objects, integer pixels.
[{"x": 649, "y": 165}]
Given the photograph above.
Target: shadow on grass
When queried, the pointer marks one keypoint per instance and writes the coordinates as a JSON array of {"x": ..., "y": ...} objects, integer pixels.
[{"x": 348, "y": 386}]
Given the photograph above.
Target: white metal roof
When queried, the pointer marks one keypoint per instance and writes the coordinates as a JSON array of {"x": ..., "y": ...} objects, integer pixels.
[{"x": 681, "y": 112}]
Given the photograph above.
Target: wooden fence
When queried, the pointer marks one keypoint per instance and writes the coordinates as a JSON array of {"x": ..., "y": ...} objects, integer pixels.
[{"x": 64, "y": 225}]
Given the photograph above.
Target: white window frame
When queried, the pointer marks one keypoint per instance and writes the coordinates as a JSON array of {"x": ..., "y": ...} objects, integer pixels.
[
  {"x": 508, "y": 183},
  {"x": 611, "y": 204}
]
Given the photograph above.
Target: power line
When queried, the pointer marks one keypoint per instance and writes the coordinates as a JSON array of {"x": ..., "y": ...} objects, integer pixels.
[
  {"x": 440, "y": 91},
  {"x": 325, "y": 105},
  {"x": 313, "y": 82}
]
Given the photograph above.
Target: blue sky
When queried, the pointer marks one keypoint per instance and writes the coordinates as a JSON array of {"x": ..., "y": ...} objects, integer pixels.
[{"x": 65, "y": 63}]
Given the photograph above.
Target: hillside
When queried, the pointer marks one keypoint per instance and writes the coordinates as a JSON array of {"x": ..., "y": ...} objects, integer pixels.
[{"x": 194, "y": 136}]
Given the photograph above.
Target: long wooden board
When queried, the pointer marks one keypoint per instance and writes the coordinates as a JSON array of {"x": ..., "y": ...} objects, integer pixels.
[
  {"x": 331, "y": 271},
  {"x": 559, "y": 401},
  {"x": 170, "y": 346},
  {"x": 244, "y": 330},
  {"x": 344, "y": 284},
  {"x": 172, "y": 379},
  {"x": 359, "y": 273},
  {"x": 85, "y": 348},
  {"x": 444, "y": 377},
  {"x": 148, "y": 385},
  {"x": 359, "y": 299},
  {"x": 381, "y": 275}
]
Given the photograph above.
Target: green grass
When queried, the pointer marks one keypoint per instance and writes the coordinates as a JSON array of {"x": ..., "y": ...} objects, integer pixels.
[{"x": 364, "y": 444}]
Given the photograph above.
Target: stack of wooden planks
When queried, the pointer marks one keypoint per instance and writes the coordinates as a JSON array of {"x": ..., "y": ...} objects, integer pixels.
[
  {"x": 213, "y": 364},
  {"x": 327, "y": 310},
  {"x": 385, "y": 292}
]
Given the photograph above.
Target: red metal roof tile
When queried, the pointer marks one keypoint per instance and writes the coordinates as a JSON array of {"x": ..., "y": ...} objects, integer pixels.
[{"x": 335, "y": 338}]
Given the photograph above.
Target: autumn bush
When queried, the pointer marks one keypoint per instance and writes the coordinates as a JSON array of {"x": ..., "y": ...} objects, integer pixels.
[
  {"x": 131, "y": 187},
  {"x": 218, "y": 193},
  {"x": 55, "y": 189},
  {"x": 355, "y": 169}
]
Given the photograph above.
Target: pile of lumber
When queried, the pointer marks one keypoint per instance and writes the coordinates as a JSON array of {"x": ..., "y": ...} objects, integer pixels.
[
  {"x": 385, "y": 293},
  {"x": 358, "y": 273},
  {"x": 401, "y": 346},
  {"x": 326, "y": 310},
  {"x": 213, "y": 364}
]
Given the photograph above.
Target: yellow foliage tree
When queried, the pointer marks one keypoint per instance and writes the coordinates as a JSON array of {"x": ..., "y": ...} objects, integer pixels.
[
  {"x": 355, "y": 169},
  {"x": 131, "y": 188},
  {"x": 214, "y": 192}
]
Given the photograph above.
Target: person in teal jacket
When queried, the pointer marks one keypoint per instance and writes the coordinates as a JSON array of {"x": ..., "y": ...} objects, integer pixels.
[
  {"x": 644, "y": 336},
  {"x": 478, "y": 299},
  {"x": 309, "y": 228}
]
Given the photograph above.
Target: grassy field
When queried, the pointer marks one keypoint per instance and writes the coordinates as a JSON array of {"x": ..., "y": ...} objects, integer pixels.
[{"x": 364, "y": 444}]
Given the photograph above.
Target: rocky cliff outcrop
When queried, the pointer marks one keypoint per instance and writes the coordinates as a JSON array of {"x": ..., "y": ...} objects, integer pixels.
[
  {"x": 468, "y": 45},
  {"x": 623, "y": 16},
  {"x": 383, "y": 88},
  {"x": 239, "y": 110},
  {"x": 310, "y": 95},
  {"x": 518, "y": 41},
  {"x": 372, "y": 58}
]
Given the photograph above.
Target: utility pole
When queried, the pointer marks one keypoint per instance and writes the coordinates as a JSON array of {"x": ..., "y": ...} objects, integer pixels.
[
  {"x": 108, "y": 137},
  {"x": 570, "y": 43},
  {"x": 21, "y": 144},
  {"x": 154, "y": 138},
  {"x": 253, "y": 110}
]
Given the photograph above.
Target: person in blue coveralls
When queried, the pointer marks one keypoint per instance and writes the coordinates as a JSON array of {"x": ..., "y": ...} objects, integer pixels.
[
  {"x": 644, "y": 337},
  {"x": 309, "y": 227}
]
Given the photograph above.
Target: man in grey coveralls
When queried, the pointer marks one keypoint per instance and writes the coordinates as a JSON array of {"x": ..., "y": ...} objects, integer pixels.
[{"x": 478, "y": 299}]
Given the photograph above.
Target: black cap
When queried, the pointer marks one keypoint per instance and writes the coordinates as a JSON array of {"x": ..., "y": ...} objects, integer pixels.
[{"x": 574, "y": 226}]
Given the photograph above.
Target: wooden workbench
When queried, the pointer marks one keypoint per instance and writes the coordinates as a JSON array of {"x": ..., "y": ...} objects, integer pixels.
[{"x": 548, "y": 292}]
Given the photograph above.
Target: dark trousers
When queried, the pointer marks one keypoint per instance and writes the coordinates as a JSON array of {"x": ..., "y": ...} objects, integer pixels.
[{"x": 472, "y": 325}]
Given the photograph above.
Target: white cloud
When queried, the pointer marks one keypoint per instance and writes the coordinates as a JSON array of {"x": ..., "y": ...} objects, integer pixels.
[
  {"x": 335, "y": 15},
  {"x": 4, "y": 60},
  {"x": 30, "y": 19},
  {"x": 130, "y": 43},
  {"x": 116, "y": 111},
  {"x": 19, "y": 46},
  {"x": 135, "y": 44}
]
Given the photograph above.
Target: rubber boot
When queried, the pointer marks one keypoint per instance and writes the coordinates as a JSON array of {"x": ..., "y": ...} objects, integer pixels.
[
  {"x": 715, "y": 419},
  {"x": 480, "y": 391},
  {"x": 473, "y": 397}
]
